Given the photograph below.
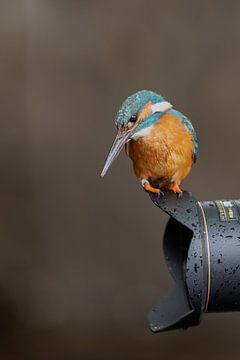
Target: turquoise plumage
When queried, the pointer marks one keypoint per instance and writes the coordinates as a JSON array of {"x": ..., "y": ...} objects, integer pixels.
[
  {"x": 187, "y": 122},
  {"x": 160, "y": 140}
]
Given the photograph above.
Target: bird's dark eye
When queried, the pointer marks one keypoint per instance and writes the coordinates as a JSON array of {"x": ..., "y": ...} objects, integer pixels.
[{"x": 133, "y": 119}]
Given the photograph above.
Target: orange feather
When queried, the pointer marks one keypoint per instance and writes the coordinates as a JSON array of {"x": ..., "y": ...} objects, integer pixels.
[{"x": 165, "y": 155}]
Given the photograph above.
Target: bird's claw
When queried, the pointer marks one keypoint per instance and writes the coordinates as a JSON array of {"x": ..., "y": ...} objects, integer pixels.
[
  {"x": 180, "y": 195},
  {"x": 150, "y": 189},
  {"x": 160, "y": 193},
  {"x": 176, "y": 189}
]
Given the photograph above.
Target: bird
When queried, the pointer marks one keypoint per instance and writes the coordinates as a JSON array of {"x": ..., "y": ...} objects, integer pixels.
[{"x": 160, "y": 141}]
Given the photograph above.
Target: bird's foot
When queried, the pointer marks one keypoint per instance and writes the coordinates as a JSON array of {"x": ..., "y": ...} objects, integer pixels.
[
  {"x": 147, "y": 187},
  {"x": 176, "y": 189}
]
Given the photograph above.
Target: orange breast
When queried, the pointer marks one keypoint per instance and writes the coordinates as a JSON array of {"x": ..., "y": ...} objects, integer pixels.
[{"x": 166, "y": 153}]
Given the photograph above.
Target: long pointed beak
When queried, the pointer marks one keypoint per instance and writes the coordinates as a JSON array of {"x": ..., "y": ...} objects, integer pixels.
[{"x": 119, "y": 142}]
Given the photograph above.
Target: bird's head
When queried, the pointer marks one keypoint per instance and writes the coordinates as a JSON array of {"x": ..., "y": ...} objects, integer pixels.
[{"x": 136, "y": 114}]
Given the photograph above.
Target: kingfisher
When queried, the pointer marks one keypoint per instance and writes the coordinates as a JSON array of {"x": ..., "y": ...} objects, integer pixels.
[{"x": 160, "y": 141}]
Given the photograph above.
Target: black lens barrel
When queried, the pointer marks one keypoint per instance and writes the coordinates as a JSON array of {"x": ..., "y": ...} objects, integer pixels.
[{"x": 202, "y": 251}]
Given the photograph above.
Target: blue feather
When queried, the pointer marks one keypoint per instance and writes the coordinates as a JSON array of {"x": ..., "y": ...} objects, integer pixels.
[
  {"x": 136, "y": 102},
  {"x": 150, "y": 120},
  {"x": 133, "y": 105},
  {"x": 190, "y": 128}
]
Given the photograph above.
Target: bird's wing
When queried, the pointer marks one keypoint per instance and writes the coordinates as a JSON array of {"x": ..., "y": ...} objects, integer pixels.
[{"x": 189, "y": 127}]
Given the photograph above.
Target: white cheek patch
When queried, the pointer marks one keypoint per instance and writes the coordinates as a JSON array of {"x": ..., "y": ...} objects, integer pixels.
[
  {"x": 142, "y": 133},
  {"x": 158, "y": 107},
  {"x": 161, "y": 107}
]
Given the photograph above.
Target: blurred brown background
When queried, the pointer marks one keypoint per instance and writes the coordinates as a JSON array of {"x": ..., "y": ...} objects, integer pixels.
[{"x": 81, "y": 261}]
